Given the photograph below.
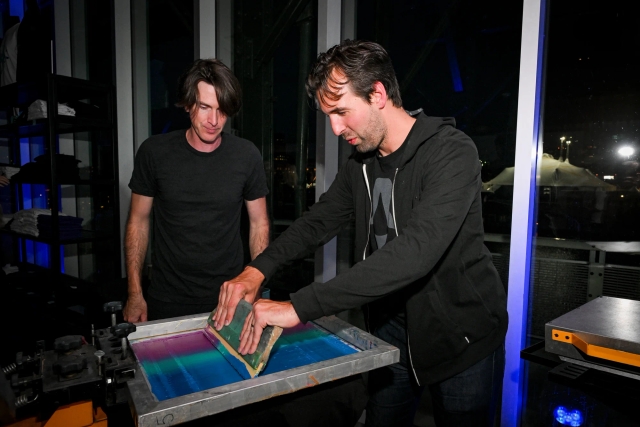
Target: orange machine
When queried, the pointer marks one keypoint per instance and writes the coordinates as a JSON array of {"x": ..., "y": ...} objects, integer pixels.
[{"x": 79, "y": 414}]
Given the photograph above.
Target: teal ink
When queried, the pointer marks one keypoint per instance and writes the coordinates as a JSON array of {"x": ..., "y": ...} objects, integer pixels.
[{"x": 187, "y": 363}]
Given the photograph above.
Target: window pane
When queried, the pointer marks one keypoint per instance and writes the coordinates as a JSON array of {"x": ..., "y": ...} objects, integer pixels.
[
  {"x": 273, "y": 51},
  {"x": 171, "y": 52},
  {"x": 588, "y": 205}
]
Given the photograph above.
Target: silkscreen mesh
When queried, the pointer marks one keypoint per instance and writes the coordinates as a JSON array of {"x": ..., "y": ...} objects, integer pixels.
[{"x": 186, "y": 363}]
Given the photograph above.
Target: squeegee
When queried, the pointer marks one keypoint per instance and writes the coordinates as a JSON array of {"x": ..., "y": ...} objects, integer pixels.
[{"x": 227, "y": 342}]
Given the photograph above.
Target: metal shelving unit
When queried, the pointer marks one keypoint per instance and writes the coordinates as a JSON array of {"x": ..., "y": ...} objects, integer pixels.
[{"x": 95, "y": 188}]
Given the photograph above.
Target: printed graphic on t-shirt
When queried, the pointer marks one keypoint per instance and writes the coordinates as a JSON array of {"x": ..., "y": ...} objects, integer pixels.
[{"x": 382, "y": 218}]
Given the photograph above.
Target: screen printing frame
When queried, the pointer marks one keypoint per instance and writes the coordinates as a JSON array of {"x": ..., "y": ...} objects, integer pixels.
[{"x": 147, "y": 411}]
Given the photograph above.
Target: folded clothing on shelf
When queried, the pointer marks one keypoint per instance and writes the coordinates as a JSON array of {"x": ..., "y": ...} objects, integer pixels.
[
  {"x": 86, "y": 111},
  {"x": 39, "y": 171},
  {"x": 8, "y": 171},
  {"x": 38, "y": 110},
  {"x": 39, "y": 223}
]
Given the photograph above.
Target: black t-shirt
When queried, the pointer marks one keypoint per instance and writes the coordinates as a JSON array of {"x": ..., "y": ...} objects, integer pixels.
[
  {"x": 383, "y": 226},
  {"x": 197, "y": 204}
]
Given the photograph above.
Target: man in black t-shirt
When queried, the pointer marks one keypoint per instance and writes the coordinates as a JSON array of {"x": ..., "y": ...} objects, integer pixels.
[{"x": 195, "y": 182}]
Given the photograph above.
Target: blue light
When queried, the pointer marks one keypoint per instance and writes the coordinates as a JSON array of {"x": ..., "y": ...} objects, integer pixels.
[
  {"x": 42, "y": 255},
  {"x": 16, "y": 8},
  {"x": 24, "y": 151},
  {"x": 520, "y": 270},
  {"x": 568, "y": 418},
  {"x": 453, "y": 65}
]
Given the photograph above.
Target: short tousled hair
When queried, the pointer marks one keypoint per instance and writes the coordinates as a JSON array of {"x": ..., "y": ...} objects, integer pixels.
[
  {"x": 361, "y": 64},
  {"x": 214, "y": 72}
]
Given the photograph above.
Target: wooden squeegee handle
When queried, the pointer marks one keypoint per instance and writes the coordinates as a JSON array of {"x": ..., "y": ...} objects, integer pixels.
[{"x": 595, "y": 350}]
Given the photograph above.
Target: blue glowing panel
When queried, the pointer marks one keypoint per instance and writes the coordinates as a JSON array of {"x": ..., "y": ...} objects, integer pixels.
[
  {"x": 24, "y": 151},
  {"x": 568, "y": 417},
  {"x": 36, "y": 147},
  {"x": 26, "y": 196},
  {"x": 42, "y": 255},
  {"x": 30, "y": 251},
  {"x": 16, "y": 8},
  {"x": 39, "y": 193}
]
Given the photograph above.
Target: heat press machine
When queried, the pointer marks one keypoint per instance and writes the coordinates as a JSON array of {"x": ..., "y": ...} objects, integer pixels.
[
  {"x": 603, "y": 334},
  {"x": 169, "y": 372}
]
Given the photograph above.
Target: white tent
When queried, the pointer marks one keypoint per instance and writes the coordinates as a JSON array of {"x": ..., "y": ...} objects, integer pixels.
[{"x": 554, "y": 173}]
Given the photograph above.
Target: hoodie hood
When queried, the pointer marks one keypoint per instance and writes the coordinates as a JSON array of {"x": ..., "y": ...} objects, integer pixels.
[{"x": 423, "y": 129}]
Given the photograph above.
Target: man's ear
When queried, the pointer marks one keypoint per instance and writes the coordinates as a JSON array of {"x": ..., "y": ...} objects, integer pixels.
[{"x": 378, "y": 97}]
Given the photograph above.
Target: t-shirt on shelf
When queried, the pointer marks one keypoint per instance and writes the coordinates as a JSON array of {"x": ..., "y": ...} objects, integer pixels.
[
  {"x": 38, "y": 223},
  {"x": 39, "y": 171}
]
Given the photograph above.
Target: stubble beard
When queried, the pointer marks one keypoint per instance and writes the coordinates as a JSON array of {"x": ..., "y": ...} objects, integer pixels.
[
  {"x": 366, "y": 146},
  {"x": 375, "y": 136}
]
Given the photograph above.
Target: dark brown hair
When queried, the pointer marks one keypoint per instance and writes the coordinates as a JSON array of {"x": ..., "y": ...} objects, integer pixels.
[
  {"x": 214, "y": 72},
  {"x": 361, "y": 63}
]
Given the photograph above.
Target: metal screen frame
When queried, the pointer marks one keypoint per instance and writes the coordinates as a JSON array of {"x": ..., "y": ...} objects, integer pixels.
[{"x": 147, "y": 411}]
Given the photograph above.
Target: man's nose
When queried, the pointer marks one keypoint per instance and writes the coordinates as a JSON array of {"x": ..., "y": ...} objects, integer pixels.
[
  {"x": 213, "y": 117},
  {"x": 336, "y": 125}
]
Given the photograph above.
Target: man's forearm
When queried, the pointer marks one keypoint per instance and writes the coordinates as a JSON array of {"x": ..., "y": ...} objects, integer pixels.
[
  {"x": 258, "y": 238},
  {"x": 136, "y": 241}
]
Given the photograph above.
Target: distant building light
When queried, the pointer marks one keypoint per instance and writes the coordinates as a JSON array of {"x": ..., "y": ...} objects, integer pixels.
[{"x": 608, "y": 177}]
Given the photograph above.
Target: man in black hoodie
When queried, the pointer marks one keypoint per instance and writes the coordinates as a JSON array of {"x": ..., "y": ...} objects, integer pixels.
[{"x": 424, "y": 276}]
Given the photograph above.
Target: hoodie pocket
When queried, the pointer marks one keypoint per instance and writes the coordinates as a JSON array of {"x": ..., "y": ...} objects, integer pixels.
[{"x": 435, "y": 338}]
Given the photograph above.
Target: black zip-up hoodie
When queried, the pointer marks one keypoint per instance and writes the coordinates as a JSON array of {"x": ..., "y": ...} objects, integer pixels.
[{"x": 456, "y": 303}]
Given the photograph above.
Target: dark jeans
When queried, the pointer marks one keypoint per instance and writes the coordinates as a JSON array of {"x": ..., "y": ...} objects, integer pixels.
[
  {"x": 466, "y": 399},
  {"x": 157, "y": 309}
]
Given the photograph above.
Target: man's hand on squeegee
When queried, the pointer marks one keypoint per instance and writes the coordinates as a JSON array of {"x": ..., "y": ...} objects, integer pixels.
[
  {"x": 265, "y": 313},
  {"x": 245, "y": 285}
]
